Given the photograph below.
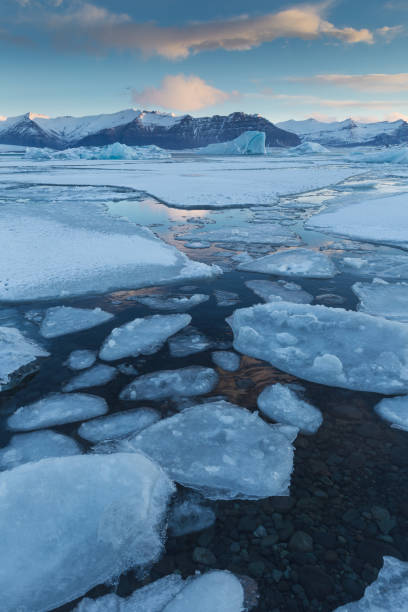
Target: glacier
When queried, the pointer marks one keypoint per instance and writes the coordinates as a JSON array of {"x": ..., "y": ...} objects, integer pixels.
[
  {"x": 98, "y": 375},
  {"x": 301, "y": 263},
  {"x": 112, "y": 151},
  {"x": 247, "y": 143},
  {"x": 18, "y": 356},
  {"x": 36, "y": 445},
  {"x": 283, "y": 405},
  {"x": 118, "y": 424},
  {"x": 62, "y": 320}
]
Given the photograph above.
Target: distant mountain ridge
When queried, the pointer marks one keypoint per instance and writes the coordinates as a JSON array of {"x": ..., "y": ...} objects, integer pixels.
[
  {"x": 348, "y": 132},
  {"x": 136, "y": 127}
]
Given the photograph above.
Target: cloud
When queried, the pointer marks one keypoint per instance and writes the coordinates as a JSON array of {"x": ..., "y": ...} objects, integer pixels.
[
  {"x": 333, "y": 103},
  {"x": 182, "y": 93},
  {"x": 389, "y": 33},
  {"x": 361, "y": 82}
]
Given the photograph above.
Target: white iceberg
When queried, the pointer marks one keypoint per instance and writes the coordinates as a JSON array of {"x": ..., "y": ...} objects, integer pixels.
[
  {"x": 81, "y": 359},
  {"x": 57, "y": 409},
  {"x": 113, "y": 151},
  {"x": 185, "y": 382},
  {"x": 189, "y": 342},
  {"x": 99, "y": 375},
  {"x": 27, "y": 447},
  {"x": 188, "y": 514},
  {"x": 62, "y": 320},
  {"x": 227, "y": 360},
  {"x": 394, "y": 410},
  {"x": 72, "y": 523},
  {"x": 177, "y": 304},
  {"x": 118, "y": 424},
  {"x": 330, "y": 346},
  {"x": 279, "y": 291},
  {"x": 307, "y": 148},
  {"x": 142, "y": 336},
  {"x": 221, "y": 450},
  {"x": 18, "y": 356},
  {"x": 302, "y": 263},
  {"x": 247, "y": 143},
  {"x": 283, "y": 405},
  {"x": 390, "y": 155},
  {"x": 389, "y": 300}
]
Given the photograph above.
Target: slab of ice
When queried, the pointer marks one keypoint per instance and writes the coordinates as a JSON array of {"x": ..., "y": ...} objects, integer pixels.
[
  {"x": 127, "y": 369},
  {"x": 227, "y": 360},
  {"x": 383, "y": 299},
  {"x": 185, "y": 382},
  {"x": 391, "y": 155},
  {"x": 383, "y": 265},
  {"x": 24, "y": 448},
  {"x": 18, "y": 356},
  {"x": 283, "y": 405},
  {"x": 116, "y": 150},
  {"x": 279, "y": 291},
  {"x": 225, "y": 298},
  {"x": 387, "y": 593},
  {"x": 118, "y": 424},
  {"x": 189, "y": 342},
  {"x": 216, "y": 590},
  {"x": 188, "y": 514},
  {"x": 81, "y": 359},
  {"x": 142, "y": 336},
  {"x": 247, "y": 143},
  {"x": 394, "y": 410},
  {"x": 383, "y": 221},
  {"x": 307, "y": 148},
  {"x": 97, "y": 376},
  {"x": 57, "y": 409},
  {"x": 302, "y": 263},
  {"x": 266, "y": 233},
  {"x": 221, "y": 450},
  {"x": 58, "y": 514},
  {"x": 330, "y": 346},
  {"x": 178, "y": 304},
  {"x": 62, "y": 320}
]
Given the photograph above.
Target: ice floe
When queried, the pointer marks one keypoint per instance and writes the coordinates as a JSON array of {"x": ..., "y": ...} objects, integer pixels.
[
  {"x": 307, "y": 148},
  {"x": 391, "y": 155},
  {"x": 227, "y": 360},
  {"x": 394, "y": 410},
  {"x": 99, "y": 375},
  {"x": 185, "y": 382},
  {"x": 247, "y": 143},
  {"x": 188, "y": 514},
  {"x": 177, "y": 304},
  {"x": 221, "y": 450},
  {"x": 62, "y": 320},
  {"x": 389, "y": 300},
  {"x": 330, "y": 346},
  {"x": 113, "y": 151},
  {"x": 27, "y": 447},
  {"x": 81, "y": 359},
  {"x": 118, "y": 424},
  {"x": 266, "y": 233},
  {"x": 302, "y": 263},
  {"x": 368, "y": 265},
  {"x": 189, "y": 342},
  {"x": 142, "y": 336},
  {"x": 72, "y": 523},
  {"x": 225, "y": 298},
  {"x": 18, "y": 356},
  {"x": 283, "y": 405},
  {"x": 57, "y": 409},
  {"x": 279, "y": 291}
]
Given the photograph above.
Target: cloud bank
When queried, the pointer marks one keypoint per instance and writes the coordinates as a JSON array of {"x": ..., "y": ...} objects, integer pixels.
[{"x": 361, "y": 82}]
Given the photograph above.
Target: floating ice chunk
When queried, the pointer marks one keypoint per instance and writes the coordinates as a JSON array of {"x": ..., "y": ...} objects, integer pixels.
[
  {"x": 127, "y": 369},
  {"x": 189, "y": 342},
  {"x": 391, "y": 155},
  {"x": 185, "y": 382},
  {"x": 294, "y": 262},
  {"x": 97, "y": 376},
  {"x": 225, "y": 298},
  {"x": 81, "y": 359},
  {"x": 280, "y": 291},
  {"x": 306, "y": 148},
  {"x": 113, "y": 151},
  {"x": 118, "y": 424},
  {"x": 394, "y": 410},
  {"x": 265, "y": 233},
  {"x": 62, "y": 320},
  {"x": 57, "y": 409},
  {"x": 188, "y": 515},
  {"x": 383, "y": 265},
  {"x": 227, "y": 360},
  {"x": 247, "y": 143},
  {"x": 331, "y": 346},
  {"x": 18, "y": 356},
  {"x": 283, "y": 405},
  {"x": 143, "y": 336},
  {"x": 197, "y": 244},
  {"x": 178, "y": 304},
  {"x": 34, "y": 446},
  {"x": 387, "y": 593},
  {"x": 216, "y": 590},
  {"x": 58, "y": 514},
  {"x": 221, "y": 450},
  {"x": 383, "y": 299}
]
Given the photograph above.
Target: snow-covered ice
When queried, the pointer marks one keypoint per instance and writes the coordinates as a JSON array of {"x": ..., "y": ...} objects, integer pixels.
[
  {"x": 177, "y": 304},
  {"x": 221, "y": 450},
  {"x": 302, "y": 263},
  {"x": 247, "y": 143},
  {"x": 99, "y": 375},
  {"x": 185, "y": 382},
  {"x": 307, "y": 148},
  {"x": 389, "y": 300},
  {"x": 189, "y": 342},
  {"x": 118, "y": 424},
  {"x": 142, "y": 336},
  {"x": 36, "y": 445},
  {"x": 331, "y": 346},
  {"x": 279, "y": 291},
  {"x": 394, "y": 410},
  {"x": 62, "y": 320},
  {"x": 283, "y": 405},
  {"x": 57, "y": 409},
  {"x": 188, "y": 514},
  {"x": 72, "y": 523},
  {"x": 81, "y": 359},
  {"x": 113, "y": 151},
  {"x": 227, "y": 360},
  {"x": 18, "y": 356}
]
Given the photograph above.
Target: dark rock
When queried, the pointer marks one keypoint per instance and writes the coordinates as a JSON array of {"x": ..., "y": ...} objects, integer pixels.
[
  {"x": 204, "y": 556},
  {"x": 317, "y": 584},
  {"x": 373, "y": 551},
  {"x": 301, "y": 542},
  {"x": 256, "y": 568}
]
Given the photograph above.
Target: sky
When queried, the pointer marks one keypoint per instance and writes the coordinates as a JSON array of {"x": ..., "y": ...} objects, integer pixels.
[{"x": 328, "y": 60}]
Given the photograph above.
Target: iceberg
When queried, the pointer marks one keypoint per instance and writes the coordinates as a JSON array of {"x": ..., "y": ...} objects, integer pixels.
[
  {"x": 142, "y": 336},
  {"x": 331, "y": 346},
  {"x": 307, "y": 148},
  {"x": 18, "y": 356},
  {"x": 383, "y": 299},
  {"x": 113, "y": 151},
  {"x": 185, "y": 382},
  {"x": 62, "y": 320},
  {"x": 220, "y": 450},
  {"x": 189, "y": 342},
  {"x": 24, "y": 448},
  {"x": 57, "y": 409},
  {"x": 283, "y": 405},
  {"x": 279, "y": 291},
  {"x": 118, "y": 424},
  {"x": 178, "y": 304},
  {"x": 227, "y": 360},
  {"x": 81, "y": 359},
  {"x": 248, "y": 143},
  {"x": 390, "y": 155},
  {"x": 71, "y": 523},
  {"x": 97, "y": 376},
  {"x": 394, "y": 410},
  {"x": 301, "y": 263}
]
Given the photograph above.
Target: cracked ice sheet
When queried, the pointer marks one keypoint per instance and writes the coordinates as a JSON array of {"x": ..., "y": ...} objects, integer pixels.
[{"x": 198, "y": 183}]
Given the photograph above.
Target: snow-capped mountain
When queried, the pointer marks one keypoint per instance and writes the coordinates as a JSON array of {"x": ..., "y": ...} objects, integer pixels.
[
  {"x": 136, "y": 127},
  {"x": 348, "y": 132}
]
